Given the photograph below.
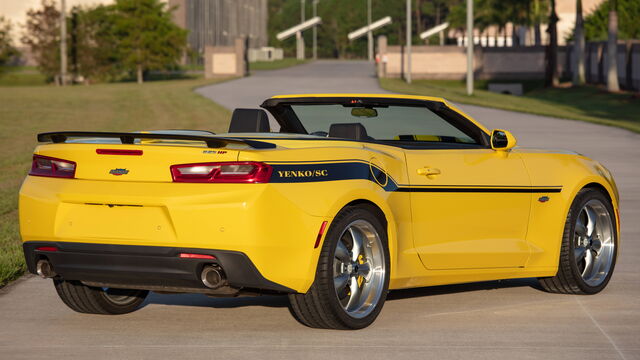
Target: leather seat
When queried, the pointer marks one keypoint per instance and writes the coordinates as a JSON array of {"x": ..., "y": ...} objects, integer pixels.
[
  {"x": 249, "y": 121},
  {"x": 353, "y": 131}
]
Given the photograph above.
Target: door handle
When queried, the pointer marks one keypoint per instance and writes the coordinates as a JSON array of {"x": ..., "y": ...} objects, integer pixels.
[{"x": 429, "y": 171}]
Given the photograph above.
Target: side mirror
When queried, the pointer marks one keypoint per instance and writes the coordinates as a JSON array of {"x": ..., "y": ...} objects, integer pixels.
[{"x": 502, "y": 140}]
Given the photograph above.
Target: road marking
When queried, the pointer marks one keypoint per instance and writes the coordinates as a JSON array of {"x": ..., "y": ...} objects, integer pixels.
[{"x": 586, "y": 311}]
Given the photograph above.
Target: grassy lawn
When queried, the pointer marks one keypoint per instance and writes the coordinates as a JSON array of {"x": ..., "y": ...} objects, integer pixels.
[
  {"x": 28, "y": 110},
  {"x": 586, "y": 103},
  {"x": 275, "y": 65},
  {"x": 21, "y": 76}
]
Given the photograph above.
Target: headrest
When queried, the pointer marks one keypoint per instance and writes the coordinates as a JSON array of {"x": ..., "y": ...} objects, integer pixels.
[
  {"x": 249, "y": 121},
  {"x": 353, "y": 131}
]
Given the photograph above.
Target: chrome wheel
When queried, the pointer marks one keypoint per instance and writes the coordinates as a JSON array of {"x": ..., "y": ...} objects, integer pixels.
[
  {"x": 359, "y": 269},
  {"x": 593, "y": 242}
]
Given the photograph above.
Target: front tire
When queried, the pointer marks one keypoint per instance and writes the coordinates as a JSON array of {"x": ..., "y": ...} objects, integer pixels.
[
  {"x": 95, "y": 300},
  {"x": 589, "y": 246},
  {"x": 352, "y": 278}
]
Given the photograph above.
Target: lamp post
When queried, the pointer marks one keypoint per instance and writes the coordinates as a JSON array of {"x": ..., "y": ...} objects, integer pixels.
[
  {"x": 63, "y": 43},
  {"x": 315, "y": 30},
  {"x": 370, "y": 33},
  {"x": 469, "y": 47},
  {"x": 299, "y": 38},
  {"x": 408, "y": 72}
]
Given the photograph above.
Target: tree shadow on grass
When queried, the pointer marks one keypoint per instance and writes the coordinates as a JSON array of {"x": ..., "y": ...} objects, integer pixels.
[
  {"x": 164, "y": 76},
  {"x": 595, "y": 101}
]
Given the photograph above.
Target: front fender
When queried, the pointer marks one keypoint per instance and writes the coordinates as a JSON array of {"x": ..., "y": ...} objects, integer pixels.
[{"x": 548, "y": 218}]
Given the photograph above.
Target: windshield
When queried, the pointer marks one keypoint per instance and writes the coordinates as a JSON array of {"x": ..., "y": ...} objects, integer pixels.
[{"x": 385, "y": 123}]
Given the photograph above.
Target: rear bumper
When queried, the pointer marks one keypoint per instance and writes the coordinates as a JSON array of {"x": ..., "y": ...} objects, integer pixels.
[
  {"x": 147, "y": 267},
  {"x": 258, "y": 220}
]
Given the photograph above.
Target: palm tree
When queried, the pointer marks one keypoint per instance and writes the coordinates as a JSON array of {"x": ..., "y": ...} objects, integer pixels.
[
  {"x": 612, "y": 48},
  {"x": 578, "y": 67},
  {"x": 551, "y": 71},
  {"x": 536, "y": 23}
]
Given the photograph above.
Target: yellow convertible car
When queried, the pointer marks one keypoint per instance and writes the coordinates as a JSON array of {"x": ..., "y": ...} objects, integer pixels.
[{"x": 331, "y": 199}]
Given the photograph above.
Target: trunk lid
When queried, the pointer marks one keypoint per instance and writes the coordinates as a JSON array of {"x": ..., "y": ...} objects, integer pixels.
[{"x": 150, "y": 161}]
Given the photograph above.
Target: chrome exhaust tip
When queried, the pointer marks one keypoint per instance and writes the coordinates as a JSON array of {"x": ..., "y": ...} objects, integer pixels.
[
  {"x": 44, "y": 269},
  {"x": 212, "y": 277}
]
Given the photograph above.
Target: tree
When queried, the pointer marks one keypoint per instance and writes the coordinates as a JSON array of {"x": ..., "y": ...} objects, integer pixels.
[
  {"x": 94, "y": 46},
  {"x": 498, "y": 13},
  {"x": 579, "y": 45},
  {"x": 148, "y": 38},
  {"x": 551, "y": 53},
  {"x": 42, "y": 35},
  {"x": 7, "y": 51},
  {"x": 433, "y": 13},
  {"x": 519, "y": 14},
  {"x": 537, "y": 19},
  {"x": 612, "y": 48},
  {"x": 596, "y": 24},
  {"x": 341, "y": 17}
]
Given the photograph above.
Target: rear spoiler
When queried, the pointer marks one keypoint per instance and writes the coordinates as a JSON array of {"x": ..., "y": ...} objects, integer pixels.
[{"x": 129, "y": 138}]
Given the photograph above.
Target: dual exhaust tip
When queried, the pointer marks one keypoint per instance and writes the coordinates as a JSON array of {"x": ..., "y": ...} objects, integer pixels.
[
  {"x": 211, "y": 276},
  {"x": 44, "y": 269}
]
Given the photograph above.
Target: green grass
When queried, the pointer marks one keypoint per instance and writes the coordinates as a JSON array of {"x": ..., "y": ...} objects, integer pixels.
[
  {"x": 192, "y": 67},
  {"x": 586, "y": 103},
  {"x": 275, "y": 65},
  {"x": 26, "y": 111},
  {"x": 21, "y": 76}
]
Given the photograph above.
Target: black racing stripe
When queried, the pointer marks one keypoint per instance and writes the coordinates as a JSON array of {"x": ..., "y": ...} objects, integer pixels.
[
  {"x": 293, "y": 173},
  {"x": 483, "y": 186},
  {"x": 320, "y": 172},
  {"x": 479, "y": 190},
  {"x": 341, "y": 161},
  {"x": 356, "y": 169}
]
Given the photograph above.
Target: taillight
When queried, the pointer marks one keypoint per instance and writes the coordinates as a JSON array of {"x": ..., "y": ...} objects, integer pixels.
[
  {"x": 222, "y": 172},
  {"x": 47, "y": 248},
  {"x": 196, "y": 256},
  {"x": 48, "y": 166}
]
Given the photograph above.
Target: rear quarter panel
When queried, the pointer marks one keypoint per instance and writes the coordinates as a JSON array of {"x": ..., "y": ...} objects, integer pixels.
[{"x": 327, "y": 198}]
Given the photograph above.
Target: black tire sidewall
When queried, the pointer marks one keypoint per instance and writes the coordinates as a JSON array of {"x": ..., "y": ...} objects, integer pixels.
[
  {"x": 581, "y": 199},
  {"x": 346, "y": 217},
  {"x": 137, "y": 298}
]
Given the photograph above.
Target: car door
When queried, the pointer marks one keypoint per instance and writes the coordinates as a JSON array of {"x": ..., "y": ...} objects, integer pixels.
[{"x": 470, "y": 208}]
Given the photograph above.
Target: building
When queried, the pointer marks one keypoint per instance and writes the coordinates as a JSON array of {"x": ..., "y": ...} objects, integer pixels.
[
  {"x": 492, "y": 36},
  {"x": 220, "y": 22}
]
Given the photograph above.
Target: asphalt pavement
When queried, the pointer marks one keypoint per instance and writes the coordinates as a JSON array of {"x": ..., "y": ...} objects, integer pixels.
[{"x": 492, "y": 320}]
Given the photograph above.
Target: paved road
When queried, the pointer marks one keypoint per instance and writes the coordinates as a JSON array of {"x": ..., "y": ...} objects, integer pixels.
[{"x": 495, "y": 320}]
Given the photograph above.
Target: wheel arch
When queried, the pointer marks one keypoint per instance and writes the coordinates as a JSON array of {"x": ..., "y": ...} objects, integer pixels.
[
  {"x": 608, "y": 190},
  {"x": 600, "y": 187},
  {"x": 378, "y": 211},
  {"x": 611, "y": 196},
  {"x": 384, "y": 212},
  {"x": 591, "y": 182}
]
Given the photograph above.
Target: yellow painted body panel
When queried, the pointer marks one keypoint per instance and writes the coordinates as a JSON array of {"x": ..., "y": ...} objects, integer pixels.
[
  {"x": 434, "y": 237},
  {"x": 456, "y": 230}
]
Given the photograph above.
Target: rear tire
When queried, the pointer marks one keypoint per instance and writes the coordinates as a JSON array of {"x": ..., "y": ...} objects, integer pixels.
[
  {"x": 589, "y": 246},
  {"x": 95, "y": 300},
  {"x": 352, "y": 277}
]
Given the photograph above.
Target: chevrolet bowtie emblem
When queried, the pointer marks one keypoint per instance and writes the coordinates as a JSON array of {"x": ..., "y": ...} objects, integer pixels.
[{"x": 118, "y": 172}]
